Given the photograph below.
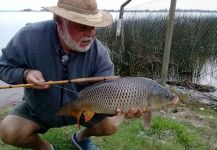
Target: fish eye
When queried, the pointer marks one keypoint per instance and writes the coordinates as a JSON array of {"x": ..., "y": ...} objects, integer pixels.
[{"x": 166, "y": 96}]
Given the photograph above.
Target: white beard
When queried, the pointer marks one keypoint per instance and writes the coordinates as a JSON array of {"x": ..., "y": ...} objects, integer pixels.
[{"x": 71, "y": 43}]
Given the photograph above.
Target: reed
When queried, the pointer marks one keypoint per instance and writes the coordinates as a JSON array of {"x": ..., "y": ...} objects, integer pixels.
[{"x": 194, "y": 42}]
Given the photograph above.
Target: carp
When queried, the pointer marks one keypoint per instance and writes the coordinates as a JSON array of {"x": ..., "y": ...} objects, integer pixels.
[{"x": 124, "y": 93}]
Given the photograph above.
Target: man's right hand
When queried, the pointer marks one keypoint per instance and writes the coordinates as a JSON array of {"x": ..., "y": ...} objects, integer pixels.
[{"x": 35, "y": 77}]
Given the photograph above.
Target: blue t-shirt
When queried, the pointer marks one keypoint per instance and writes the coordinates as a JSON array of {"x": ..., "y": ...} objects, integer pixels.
[{"x": 36, "y": 46}]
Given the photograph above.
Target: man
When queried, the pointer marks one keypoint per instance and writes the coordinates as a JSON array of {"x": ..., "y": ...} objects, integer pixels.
[{"x": 65, "y": 48}]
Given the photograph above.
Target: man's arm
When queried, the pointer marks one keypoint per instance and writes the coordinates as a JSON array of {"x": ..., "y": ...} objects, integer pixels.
[
  {"x": 15, "y": 67},
  {"x": 13, "y": 60},
  {"x": 10, "y": 72},
  {"x": 13, "y": 74}
]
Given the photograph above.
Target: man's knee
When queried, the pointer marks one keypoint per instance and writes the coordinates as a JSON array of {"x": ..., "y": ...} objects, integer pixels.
[
  {"x": 14, "y": 129},
  {"x": 106, "y": 126},
  {"x": 109, "y": 130},
  {"x": 8, "y": 133}
]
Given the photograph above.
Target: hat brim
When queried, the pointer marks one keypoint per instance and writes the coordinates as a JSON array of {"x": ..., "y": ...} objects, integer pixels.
[{"x": 101, "y": 19}]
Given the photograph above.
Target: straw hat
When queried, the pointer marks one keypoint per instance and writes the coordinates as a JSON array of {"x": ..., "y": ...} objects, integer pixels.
[{"x": 81, "y": 11}]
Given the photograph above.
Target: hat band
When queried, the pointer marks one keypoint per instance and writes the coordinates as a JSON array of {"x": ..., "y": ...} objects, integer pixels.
[{"x": 71, "y": 8}]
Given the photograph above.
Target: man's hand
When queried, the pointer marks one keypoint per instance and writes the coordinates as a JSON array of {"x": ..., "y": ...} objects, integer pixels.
[
  {"x": 35, "y": 77},
  {"x": 132, "y": 113},
  {"x": 120, "y": 115}
]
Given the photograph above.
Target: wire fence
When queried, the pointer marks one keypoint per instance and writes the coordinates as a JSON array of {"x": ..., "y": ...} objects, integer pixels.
[{"x": 194, "y": 44}]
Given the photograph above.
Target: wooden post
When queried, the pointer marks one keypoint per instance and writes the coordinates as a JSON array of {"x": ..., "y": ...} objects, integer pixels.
[{"x": 168, "y": 42}]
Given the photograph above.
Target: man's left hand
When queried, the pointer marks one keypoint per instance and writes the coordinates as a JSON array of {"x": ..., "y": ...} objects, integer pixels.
[{"x": 132, "y": 113}]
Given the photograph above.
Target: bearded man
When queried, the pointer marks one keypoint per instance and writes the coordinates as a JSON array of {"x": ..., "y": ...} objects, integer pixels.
[{"x": 61, "y": 49}]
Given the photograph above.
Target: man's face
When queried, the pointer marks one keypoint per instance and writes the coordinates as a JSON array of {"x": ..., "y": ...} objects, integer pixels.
[{"x": 76, "y": 36}]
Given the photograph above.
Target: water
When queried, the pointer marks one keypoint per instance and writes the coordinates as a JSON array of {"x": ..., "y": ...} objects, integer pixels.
[
  {"x": 209, "y": 73},
  {"x": 11, "y": 22}
]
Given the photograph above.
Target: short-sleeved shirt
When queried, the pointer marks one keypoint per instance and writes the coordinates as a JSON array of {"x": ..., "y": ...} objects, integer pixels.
[{"x": 36, "y": 46}]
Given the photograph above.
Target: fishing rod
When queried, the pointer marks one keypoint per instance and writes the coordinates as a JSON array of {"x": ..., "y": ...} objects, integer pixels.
[{"x": 78, "y": 80}]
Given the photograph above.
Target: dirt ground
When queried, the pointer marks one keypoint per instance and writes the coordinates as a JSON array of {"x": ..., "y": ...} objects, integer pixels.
[{"x": 10, "y": 96}]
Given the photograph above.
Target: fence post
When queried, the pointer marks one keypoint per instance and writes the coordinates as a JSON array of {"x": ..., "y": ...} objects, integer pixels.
[
  {"x": 120, "y": 30},
  {"x": 168, "y": 42}
]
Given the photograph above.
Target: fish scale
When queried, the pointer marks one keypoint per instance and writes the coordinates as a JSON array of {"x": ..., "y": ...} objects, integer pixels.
[
  {"x": 124, "y": 93},
  {"x": 107, "y": 96}
]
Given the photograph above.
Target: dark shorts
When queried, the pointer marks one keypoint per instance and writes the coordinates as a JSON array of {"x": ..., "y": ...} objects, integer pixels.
[{"x": 24, "y": 111}]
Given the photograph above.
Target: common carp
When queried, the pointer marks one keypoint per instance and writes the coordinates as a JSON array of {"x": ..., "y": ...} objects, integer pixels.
[{"x": 124, "y": 93}]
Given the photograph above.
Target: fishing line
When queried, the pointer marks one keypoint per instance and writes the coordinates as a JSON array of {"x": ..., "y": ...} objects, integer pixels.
[
  {"x": 66, "y": 89},
  {"x": 28, "y": 95}
]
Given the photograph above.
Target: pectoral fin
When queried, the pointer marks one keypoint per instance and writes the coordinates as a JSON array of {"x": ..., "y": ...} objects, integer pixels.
[
  {"x": 88, "y": 115},
  {"x": 147, "y": 119}
]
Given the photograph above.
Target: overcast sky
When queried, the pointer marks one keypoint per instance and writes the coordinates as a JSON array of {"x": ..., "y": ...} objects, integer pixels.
[{"x": 114, "y": 4}]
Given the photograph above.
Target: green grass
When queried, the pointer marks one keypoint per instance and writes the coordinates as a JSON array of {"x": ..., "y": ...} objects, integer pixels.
[
  {"x": 165, "y": 134},
  {"x": 4, "y": 111}
]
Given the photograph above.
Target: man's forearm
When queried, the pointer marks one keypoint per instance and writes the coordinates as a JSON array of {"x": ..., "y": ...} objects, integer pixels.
[{"x": 11, "y": 75}]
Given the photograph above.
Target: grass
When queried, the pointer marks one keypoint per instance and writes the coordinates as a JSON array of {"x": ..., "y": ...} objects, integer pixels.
[{"x": 166, "y": 133}]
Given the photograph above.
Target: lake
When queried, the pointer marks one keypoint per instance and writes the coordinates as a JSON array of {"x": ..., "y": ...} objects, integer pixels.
[{"x": 11, "y": 22}]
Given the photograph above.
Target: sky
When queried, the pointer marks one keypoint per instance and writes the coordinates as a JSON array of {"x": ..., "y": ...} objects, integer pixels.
[{"x": 114, "y": 4}]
